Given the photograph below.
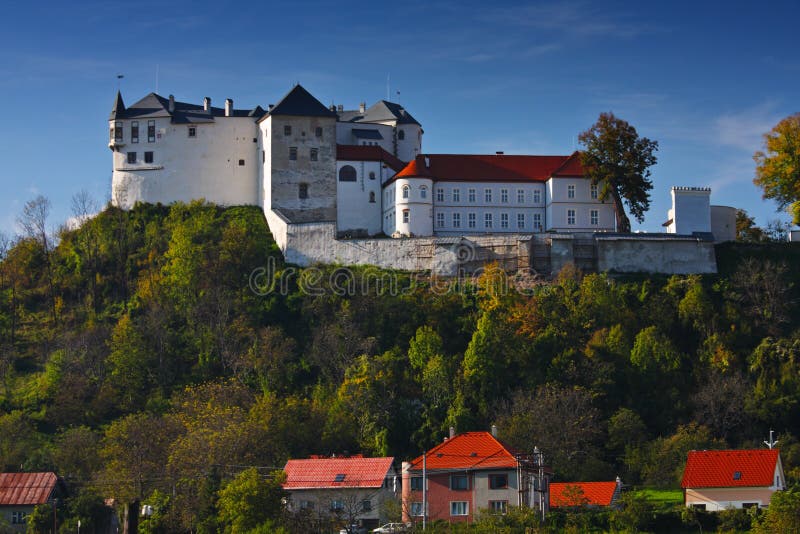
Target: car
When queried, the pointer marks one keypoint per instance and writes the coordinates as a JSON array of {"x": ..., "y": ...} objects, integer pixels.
[
  {"x": 353, "y": 529},
  {"x": 391, "y": 527}
]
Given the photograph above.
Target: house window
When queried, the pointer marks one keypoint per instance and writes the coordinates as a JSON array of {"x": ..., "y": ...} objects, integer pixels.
[
  {"x": 241, "y": 163},
  {"x": 371, "y": 175},
  {"x": 306, "y": 505},
  {"x": 746, "y": 505},
  {"x": 135, "y": 132},
  {"x": 459, "y": 482},
  {"x": 347, "y": 174},
  {"x": 317, "y": 131},
  {"x": 293, "y": 153},
  {"x": 487, "y": 195},
  {"x": 456, "y": 195},
  {"x": 458, "y": 508},
  {"x": 416, "y": 483},
  {"x": 537, "y": 222},
  {"x": 520, "y": 220},
  {"x": 18, "y": 518},
  {"x": 504, "y": 220},
  {"x": 366, "y": 506},
  {"x": 498, "y": 481},
  {"x": 571, "y": 217},
  {"x": 405, "y": 216},
  {"x": 594, "y": 217},
  {"x": 456, "y": 220},
  {"x": 498, "y": 507},
  {"x": 537, "y": 197},
  {"x": 337, "y": 505},
  {"x": 372, "y": 196},
  {"x": 151, "y": 131},
  {"x": 699, "y": 507},
  {"x": 339, "y": 477},
  {"x": 117, "y": 132},
  {"x": 416, "y": 509},
  {"x": 440, "y": 220},
  {"x": 504, "y": 196},
  {"x": 192, "y": 131},
  {"x": 423, "y": 192},
  {"x": 487, "y": 220},
  {"x": 520, "y": 196},
  {"x": 148, "y": 157},
  {"x": 471, "y": 220},
  {"x": 405, "y": 191},
  {"x": 313, "y": 154},
  {"x": 471, "y": 195},
  {"x": 439, "y": 194},
  {"x": 737, "y": 475},
  {"x": 401, "y": 135},
  {"x": 287, "y": 129},
  {"x": 594, "y": 192},
  {"x": 302, "y": 191},
  {"x": 570, "y": 191},
  {"x": 131, "y": 157}
]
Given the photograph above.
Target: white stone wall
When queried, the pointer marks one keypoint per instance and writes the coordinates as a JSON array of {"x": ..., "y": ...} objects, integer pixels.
[
  {"x": 418, "y": 205},
  {"x": 632, "y": 254},
  {"x": 359, "y": 204},
  {"x": 691, "y": 211},
  {"x": 187, "y": 168},
  {"x": 410, "y": 146},
  {"x": 560, "y": 206},
  {"x": 723, "y": 223}
]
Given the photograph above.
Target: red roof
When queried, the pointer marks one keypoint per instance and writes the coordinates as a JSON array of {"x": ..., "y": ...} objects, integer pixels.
[
  {"x": 490, "y": 168},
  {"x": 26, "y": 489},
  {"x": 470, "y": 450},
  {"x": 368, "y": 153},
  {"x": 728, "y": 469},
  {"x": 353, "y": 472},
  {"x": 594, "y": 493}
]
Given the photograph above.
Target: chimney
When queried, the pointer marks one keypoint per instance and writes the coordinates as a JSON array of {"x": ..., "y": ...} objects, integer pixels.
[
  {"x": 340, "y": 108},
  {"x": 452, "y": 432},
  {"x": 171, "y": 103},
  {"x": 494, "y": 431},
  {"x": 499, "y": 152},
  {"x": 228, "y": 107},
  {"x": 362, "y": 107},
  {"x": 270, "y": 107},
  {"x": 206, "y": 103},
  {"x": 332, "y": 108},
  {"x": 428, "y": 166}
]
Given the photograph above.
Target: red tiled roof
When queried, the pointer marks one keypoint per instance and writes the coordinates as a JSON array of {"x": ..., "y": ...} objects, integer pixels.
[
  {"x": 322, "y": 472},
  {"x": 595, "y": 493},
  {"x": 18, "y": 489},
  {"x": 368, "y": 153},
  {"x": 490, "y": 168},
  {"x": 718, "y": 469},
  {"x": 470, "y": 450}
]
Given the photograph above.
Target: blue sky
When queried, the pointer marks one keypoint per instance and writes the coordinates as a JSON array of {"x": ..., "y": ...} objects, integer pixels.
[{"x": 704, "y": 79}]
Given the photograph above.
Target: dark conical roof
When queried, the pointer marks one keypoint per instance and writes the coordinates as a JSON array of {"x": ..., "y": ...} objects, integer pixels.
[
  {"x": 119, "y": 107},
  {"x": 300, "y": 102}
]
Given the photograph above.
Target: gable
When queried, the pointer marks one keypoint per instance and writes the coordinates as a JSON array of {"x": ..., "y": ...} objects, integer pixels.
[{"x": 470, "y": 450}]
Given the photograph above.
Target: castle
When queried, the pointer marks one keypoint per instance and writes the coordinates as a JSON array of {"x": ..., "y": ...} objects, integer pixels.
[{"x": 335, "y": 183}]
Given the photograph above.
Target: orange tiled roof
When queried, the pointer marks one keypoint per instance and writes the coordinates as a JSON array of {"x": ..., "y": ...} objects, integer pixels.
[
  {"x": 595, "y": 493},
  {"x": 26, "y": 488},
  {"x": 368, "y": 153},
  {"x": 727, "y": 469},
  {"x": 353, "y": 472},
  {"x": 470, "y": 450}
]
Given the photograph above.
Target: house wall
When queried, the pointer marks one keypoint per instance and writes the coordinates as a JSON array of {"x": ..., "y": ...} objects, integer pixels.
[
  {"x": 419, "y": 205},
  {"x": 7, "y": 515},
  {"x": 716, "y": 499},
  {"x": 559, "y": 203},
  {"x": 355, "y": 214},
  {"x": 483, "y": 493},
  {"x": 351, "y": 498}
]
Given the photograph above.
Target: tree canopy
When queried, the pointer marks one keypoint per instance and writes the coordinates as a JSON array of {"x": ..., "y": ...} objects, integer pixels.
[{"x": 778, "y": 165}]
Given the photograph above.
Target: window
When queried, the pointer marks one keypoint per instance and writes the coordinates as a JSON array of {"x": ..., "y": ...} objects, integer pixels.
[
  {"x": 192, "y": 131},
  {"x": 504, "y": 220},
  {"x": 151, "y": 131},
  {"x": 416, "y": 509},
  {"x": 18, "y": 518},
  {"x": 570, "y": 191},
  {"x": 487, "y": 220},
  {"x": 401, "y": 135},
  {"x": 440, "y": 220},
  {"x": 405, "y": 216},
  {"x": 135, "y": 132},
  {"x": 148, "y": 157},
  {"x": 498, "y": 481},
  {"x": 366, "y": 506},
  {"x": 459, "y": 482},
  {"x": 439, "y": 194},
  {"x": 241, "y": 163},
  {"x": 372, "y": 196},
  {"x": 313, "y": 154},
  {"x": 737, "y": 475},
  {"x": 594, "y": 217},
  {"x": 456, "y": 220},
  {"x": 287, "y": 129},
  {"x": 306, "y": 505},
  {"x": 423, "y": 192},
  {"x": 571, "y": 217},
  {"x": 347, "y": 174},
  {"x": 471, "y": 220},
  {"x": 498, "y": 507},
  {"x": 504, "y": 196},
  {"x": 302, "y": 191},
  {"x": 456, "y": 195},
  {"x": 371, "y": 175},
  {"x": 537, "y": 222},
  {"x": 487, "y": 195},
  {"x": 116, "y": 132},
  {"x": 458, "y": 508},
  {"x": 747, "y": 505},
  {"x": 594, "y": 192},
  {"x": 405, "y": 191},
  {"x": 293, "y": 153},
  {"x": 317, "y": 131},
  {"x": 537, "y": 196},
  {"x": 699, "y": 506},
  {"x": 337, "y": 505},
  {"x": 520, "y": 196},
  {"x": 520, "y": 220},
  {"x": 339, "y": 477},
  {"x": 416, "y": 483},
  {"x": 471, "y": 195},
  {"x": 131, "y": 157}
]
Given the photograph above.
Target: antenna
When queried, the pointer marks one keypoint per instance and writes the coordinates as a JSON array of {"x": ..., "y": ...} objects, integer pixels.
[
  {"x": 387, "y": 86},
  {"x": 156, "y": 78},
  {"x": 119, "y": 80},
  {"x": 398, "y": 96},
  {"x": 772, "y": 442}
]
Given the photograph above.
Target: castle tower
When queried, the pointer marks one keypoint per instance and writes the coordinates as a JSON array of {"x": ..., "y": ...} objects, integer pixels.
[{"x": 691, "y": 211}]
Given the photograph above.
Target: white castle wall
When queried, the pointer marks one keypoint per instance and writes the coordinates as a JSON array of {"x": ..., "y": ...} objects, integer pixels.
[
  {"x": 559, "y": 203},
  {"x": 355, "y": 213}
]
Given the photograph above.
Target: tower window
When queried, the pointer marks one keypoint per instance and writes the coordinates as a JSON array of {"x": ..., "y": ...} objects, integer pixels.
[
  {"x": 131, "y": 157},
  {"x": 148, "y": 157},
  {"x": 371, "y": 175},
  {"x": 117, "y": 132},
  {"x": 293, "y": 153},
  {"x": 287, "y": 129},
  {"x": 423, "y": 192},
  {"x": 314, "y": 154},
  {"x": 192, "y": 131},
  {"x": 405, "y": 216},
  {"x": 347, "y": 174},
  {"x": 405, "y": 191},
  {"x": 135, "y": 132},
  {"x": 372, "y": 196},
  {"x": 151, "y": 131},
  {"x": 302, "y": 190},
  {"x": 401, "y": 135},
  {"x": 318, "y": 131},
  {"x": 241, "y": 163}
]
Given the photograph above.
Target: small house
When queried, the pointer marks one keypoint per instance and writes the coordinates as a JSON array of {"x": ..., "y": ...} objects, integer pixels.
[
  {"x": 589, "y": 494},
  {"x": 20, "y": 493}
]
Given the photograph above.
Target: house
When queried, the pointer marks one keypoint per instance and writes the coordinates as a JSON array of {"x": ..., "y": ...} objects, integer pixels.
[
  {"x": 353, "y": 488},
  {"x": 469, "y": 473},
  {"x": 20, "y": 493},
  {"x": 716, "y": 480},
  {"x": 592, "y": 494}
]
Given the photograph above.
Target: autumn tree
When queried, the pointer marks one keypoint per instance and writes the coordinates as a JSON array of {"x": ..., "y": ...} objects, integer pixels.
[
  {"x": 250, "y": 500},
  {"x": 617, "y": 160},
  {"x": 778, "y": 165}
]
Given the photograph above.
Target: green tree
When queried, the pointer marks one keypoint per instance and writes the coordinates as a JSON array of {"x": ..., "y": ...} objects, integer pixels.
[
  {"x": 783, "y": 514},
  {"x": 778, "y": 165},
  {"x": 249, "y": 500},
  {"x": 617, "y": 160},
  {"x": 746, "y": 229}
]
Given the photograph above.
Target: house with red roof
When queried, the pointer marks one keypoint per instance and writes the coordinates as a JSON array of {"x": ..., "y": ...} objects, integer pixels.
[
  {"x": 20, "y": 493},
  {"x": 353, "y": 489},
  {"x": 471, "y": 473},
  {"x": 717, "y": 480},
  {"x": 591, "y": 494}
]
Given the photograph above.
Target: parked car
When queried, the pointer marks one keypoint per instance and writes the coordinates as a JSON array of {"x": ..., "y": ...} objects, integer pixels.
[
  {"x": 391, "y": 527},
  {"x": 354, "y": 529}
]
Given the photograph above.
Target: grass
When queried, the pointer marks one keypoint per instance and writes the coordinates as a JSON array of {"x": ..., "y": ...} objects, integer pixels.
[{"x": 662, "y": 497}]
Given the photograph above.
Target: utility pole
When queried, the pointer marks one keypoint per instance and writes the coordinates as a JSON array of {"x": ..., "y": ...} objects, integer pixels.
[{"x": 424, "y": 488}]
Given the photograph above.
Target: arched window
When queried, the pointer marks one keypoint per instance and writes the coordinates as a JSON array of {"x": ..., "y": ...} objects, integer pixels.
[
  {"x": 372, "y": 196},
  {"x": 423, "y": 192},
  {"x": 401, "y": 135},
  {"x": 347, "y": 174},
  {"x": 371, "y": 175},
  {"x": 405, "y": 191}
]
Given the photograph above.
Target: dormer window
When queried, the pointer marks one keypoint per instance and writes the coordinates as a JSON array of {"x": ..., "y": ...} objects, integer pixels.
[
  {"x": 339, "y": 477},
  {"x": 737, "y": 475}
]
